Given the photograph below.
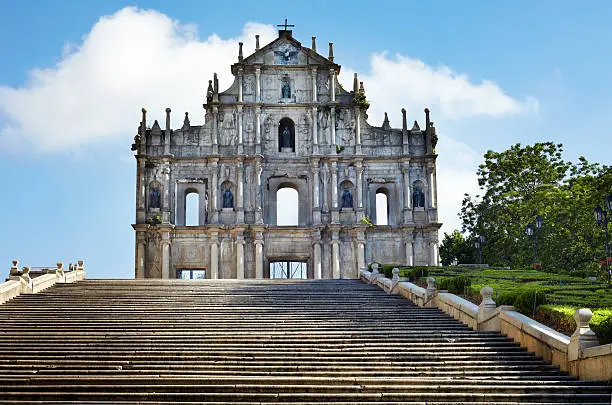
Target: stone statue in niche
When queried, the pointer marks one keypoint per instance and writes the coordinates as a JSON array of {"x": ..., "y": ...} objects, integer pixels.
[
  {"x": 228, "y": 125},
  {"x": 322, "y": 84},
  {"x": 323, "y": 118},
  {"x": 155, "y": 197},
  {"x": 228, "y": 198},
  {"x": 249, "y": 125},
  {"x": 286, "y": 138},
  {"x": 347, "y": 198},
  {"x": 286, "y": 89},
  {"x": 418, "y": 197},
  {"x": 248, "y": 85},
  {"x": 306, "y": 123},
  {"x": 268, "y": 128}
]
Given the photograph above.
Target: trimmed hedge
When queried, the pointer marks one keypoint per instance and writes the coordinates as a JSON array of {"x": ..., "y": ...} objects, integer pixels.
[{"x": 561, "y": 318}]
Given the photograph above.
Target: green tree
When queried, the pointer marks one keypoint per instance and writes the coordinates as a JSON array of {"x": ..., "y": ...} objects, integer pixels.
[
  {"x": 456, "y": 249},
  {"x": 525, "y": 181}
]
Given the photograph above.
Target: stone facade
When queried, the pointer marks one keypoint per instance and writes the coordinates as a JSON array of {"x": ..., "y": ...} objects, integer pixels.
[{"x": 284, "y": 122}]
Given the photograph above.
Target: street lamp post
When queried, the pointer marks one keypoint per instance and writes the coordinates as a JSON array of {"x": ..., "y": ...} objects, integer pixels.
[
  {"x": 479, "y": 243},
  {"x": 601, "y": 217},
  {"x": 531, "y": 231}
]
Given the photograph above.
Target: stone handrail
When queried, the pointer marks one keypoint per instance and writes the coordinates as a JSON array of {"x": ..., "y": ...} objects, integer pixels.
[
  {"x": 580, "y": 355},
  {"x": 19, "y": 281}
]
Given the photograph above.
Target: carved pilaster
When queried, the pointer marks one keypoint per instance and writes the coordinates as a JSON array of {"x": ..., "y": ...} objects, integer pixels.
[{"x": 214, "y": 256}]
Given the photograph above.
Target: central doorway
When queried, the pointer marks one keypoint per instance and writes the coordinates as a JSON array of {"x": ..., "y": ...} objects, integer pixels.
[{"x": 288, "y": 270}]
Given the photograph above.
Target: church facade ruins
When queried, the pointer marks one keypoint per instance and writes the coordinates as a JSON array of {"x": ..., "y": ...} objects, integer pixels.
[{"x": 285, "y": 122}]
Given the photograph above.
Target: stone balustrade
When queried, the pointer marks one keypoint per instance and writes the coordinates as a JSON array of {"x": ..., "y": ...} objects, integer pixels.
[
  {"x": 20, "y": 282},
  {"x": 580, "y": 355}
]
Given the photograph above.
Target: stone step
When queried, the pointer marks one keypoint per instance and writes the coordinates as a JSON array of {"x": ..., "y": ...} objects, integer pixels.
[
  {"x": 282, "y": 397},
  {"x": 260, "y": 341}
]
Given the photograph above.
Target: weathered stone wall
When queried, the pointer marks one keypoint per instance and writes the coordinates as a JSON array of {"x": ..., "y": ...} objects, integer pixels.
[{"x": 284, "y": 122}]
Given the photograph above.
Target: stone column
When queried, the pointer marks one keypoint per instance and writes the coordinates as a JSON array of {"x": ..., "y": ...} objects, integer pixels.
[
  {"x": 257, "y": 129},
  {"x": 240, "y": 256},
  {"x": 214, "y": 256},
  {"x": 407, "y": 194},
  {"x": 315, "y": 131},
  {"x": 257, "y": 85},
  {"x": 332, "y": 126},
  {"x": 432, "y": 184},
  {"x": 258, "y": 196},
  {"x": 335, "y": 255},
  {"x": 313, "y": 74},
  {"x": 409, "y": 249},
  {"x": 240, "y": 74},
  {"x": 214, "y": 191},
  {"x": 334, "y": 192},
  {"x": 317, "y": 256},
  {"x": 166, "y": 198},
  {"x": 316, "y": 192},
  {"x": 360, "y": 255},
  {"x": 239, "y": 192},
  {"x": 259, "y": 255},
  {"x": 357, "y": 131},
  {"x": 332, "y": 85},
  {"x": 240, "y": 141},
  {"x": 140, "y": 192},
  {"x": 325, "y": 174},
  {"x": 359, "y": 186},
  {"x": 215, "y": 130},
  {"x": 165, "y": 264},
  {"x": 433, "y": 251},
  {"x": 140, "y": 254}
]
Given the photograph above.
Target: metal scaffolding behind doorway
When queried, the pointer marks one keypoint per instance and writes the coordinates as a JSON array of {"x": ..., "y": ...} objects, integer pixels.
[{"x": 288, "y": 270}]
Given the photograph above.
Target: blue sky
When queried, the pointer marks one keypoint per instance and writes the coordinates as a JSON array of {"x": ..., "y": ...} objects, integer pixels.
[{"x": 72, "y": 85}]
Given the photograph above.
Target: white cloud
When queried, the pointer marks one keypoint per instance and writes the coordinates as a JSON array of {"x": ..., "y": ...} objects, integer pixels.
[
  {"x": 129, "y": 59},
  {"x": 144, "y": 58},
  {"x": 403, "y": 82}
]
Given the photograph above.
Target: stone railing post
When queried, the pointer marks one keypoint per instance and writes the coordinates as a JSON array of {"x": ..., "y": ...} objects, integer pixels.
[
  {"x": 61, "y": 277},
  {"x": 395, "y": 279},
  {"x": 375, "y": 274},
  {"x": 430, "y": 292},
  {"x": 486, "y": 311},
  {"x": 583, "y": 337}
]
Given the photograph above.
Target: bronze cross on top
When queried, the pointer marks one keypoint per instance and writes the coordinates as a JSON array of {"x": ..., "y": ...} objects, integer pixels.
[{"x": 285, "y": 25}]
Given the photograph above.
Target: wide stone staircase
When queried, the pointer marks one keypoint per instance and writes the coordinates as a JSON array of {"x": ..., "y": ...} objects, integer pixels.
[{"x": 252, "y": 342}]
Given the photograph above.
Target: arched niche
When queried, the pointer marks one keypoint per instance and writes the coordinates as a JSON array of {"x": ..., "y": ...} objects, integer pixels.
[
  {"x": 286, "y": 135},
  {"x": 346, "y": 195},
  {"x": 418, "y": 194},
  {"x": 154, "y": 196},
  {"x": 227, "y": 200}
]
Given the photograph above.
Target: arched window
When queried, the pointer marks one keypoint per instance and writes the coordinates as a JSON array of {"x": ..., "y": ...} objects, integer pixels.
[
  {"x": 286, "y": 135},
  {"x": 382, "y": 207},
  {"x": 192, "y": 208},
  {"x": 287, "y": 204}
]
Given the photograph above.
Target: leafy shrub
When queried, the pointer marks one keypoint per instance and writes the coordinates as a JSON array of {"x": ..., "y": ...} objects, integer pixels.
[
  {"x": 603, "y": 331},
  {"x": 524, "y": 303},
  {"x": 455, "y": 285},
  {"x": 417, "y": 273}
]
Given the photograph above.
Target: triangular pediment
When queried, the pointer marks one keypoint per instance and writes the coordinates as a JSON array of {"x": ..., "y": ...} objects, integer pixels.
[{"x": 287, "y": 51}]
